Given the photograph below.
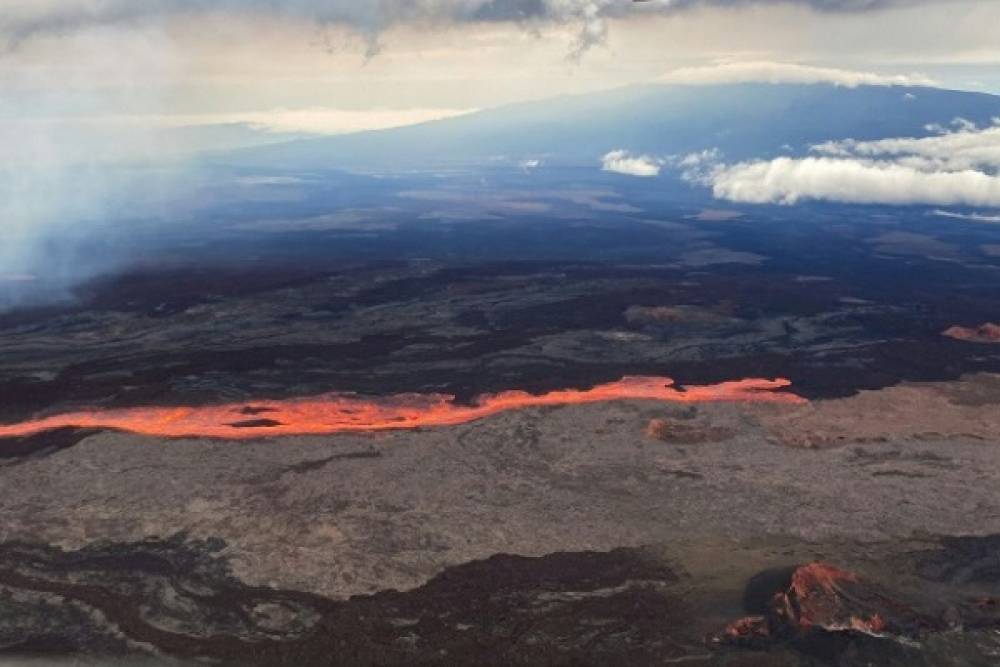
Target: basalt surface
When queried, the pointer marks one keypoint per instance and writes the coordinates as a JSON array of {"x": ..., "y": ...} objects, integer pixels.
[
  {"x": 151, "y": 339},
  {"x": 622, "y": 543},
  {"x": 828, "y": 614},
  {"x": 177, "y": 598},
  {"x": 628, "y": 530}
]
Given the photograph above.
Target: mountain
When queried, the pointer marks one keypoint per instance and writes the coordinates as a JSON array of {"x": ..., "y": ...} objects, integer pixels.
[{"x": 741, "y": 120}]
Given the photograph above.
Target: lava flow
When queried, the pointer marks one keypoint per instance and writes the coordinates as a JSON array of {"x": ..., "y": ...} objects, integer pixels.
[{"x": 340, "y": 413}]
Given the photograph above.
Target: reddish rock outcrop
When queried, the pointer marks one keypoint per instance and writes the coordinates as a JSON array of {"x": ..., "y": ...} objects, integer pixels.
[
  {"x": 984, "y": 333},
  {"x": 824, "y": 599},
  {"x": 748, "y": 632},
  {"x": 822, "y": 596}
]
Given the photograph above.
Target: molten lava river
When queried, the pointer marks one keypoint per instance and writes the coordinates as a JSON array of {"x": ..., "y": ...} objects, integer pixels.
[{"x": 342, "y": 413}]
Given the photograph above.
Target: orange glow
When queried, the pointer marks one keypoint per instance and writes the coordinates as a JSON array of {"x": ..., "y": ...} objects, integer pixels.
[
  {"x": 343, "y": 413},
  {"x": 820, "y": 578},
  {"x": 984, "y": 333}
]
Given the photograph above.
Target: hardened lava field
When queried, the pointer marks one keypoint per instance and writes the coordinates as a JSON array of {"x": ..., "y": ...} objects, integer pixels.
[{"x": 257, "y": 464}]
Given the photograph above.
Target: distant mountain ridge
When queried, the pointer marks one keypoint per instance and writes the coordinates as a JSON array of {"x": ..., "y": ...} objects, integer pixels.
[{"x": 742, "y": 120}]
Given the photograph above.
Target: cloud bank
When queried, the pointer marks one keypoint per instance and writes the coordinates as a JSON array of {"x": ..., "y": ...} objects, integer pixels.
[
  {"x": 959, "y": 168},
  {"x": 623, "y": 162},
  {"x": 967, "y": 147},
  {"x": 309, "y": 120},
  {"x": 27, "y": 19},
  {"x": 788, "y": 181},
  {"x": 764, "y": 71}
]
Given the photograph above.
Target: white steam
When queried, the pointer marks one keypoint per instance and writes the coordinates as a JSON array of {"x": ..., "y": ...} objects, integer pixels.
[{"x": 59, "y": 188}]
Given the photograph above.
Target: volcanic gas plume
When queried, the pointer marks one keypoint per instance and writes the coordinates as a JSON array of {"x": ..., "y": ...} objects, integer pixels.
[{"x": 341, "y": 413}]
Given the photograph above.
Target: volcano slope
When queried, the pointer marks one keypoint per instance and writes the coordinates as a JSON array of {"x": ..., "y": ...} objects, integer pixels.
[{"x": 845, "y": 520}]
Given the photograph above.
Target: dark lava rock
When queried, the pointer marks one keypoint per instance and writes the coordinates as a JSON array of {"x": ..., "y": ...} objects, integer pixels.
[
  {"x": 831, "y": 615},
  {"x": 178, "y": 598},
  {"x": 964, "y": 560},
  {"x": 46, "y": 443},
  {"x": 257, "y": 423},
  {"x": 971, "y": 565}
]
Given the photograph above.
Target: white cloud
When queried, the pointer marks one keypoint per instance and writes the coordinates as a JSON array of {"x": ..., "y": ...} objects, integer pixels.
[
  {"x": 974, "y": 217},
  {"x": 114, "y": 137},
  {"x": 957, "y": 168},
  {"x": 321, "y": 120},
  {"x": 967, "y": 148},
  {"x": 766, "y": 71},
  {"x": 623, "y": 162},
  {"x": 311, "y": 120},
  {"x": 788, "y": 181},
  {"x": 27, "y": 18},
  {"x": 699, "y": 159}
]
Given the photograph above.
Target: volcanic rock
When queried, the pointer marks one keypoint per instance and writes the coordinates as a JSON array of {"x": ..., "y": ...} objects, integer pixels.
[
  {"x": 685, "y": 433},
  {"x": 822, "y": 599},
  {"x": 965, "y": 560},
  {"x": 39, "y": 445},
  {"x": 984, "y": 333},
  {"x": 638, "y": 315},
  {"x": 179, "y": 598}
]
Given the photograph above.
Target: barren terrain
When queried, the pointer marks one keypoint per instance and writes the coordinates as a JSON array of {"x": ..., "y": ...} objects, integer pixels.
[
  {"x": 390, "y": 437},
  {"x": 357, "y": 514}
]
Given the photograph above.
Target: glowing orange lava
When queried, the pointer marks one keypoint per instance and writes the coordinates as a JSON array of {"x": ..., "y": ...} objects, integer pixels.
[{"x": 341, "y": 413}]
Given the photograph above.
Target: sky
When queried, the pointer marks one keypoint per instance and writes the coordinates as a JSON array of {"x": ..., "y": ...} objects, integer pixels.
[
  {"x": 86, "y": 83},
  {"x": 329, "y": 66}
]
